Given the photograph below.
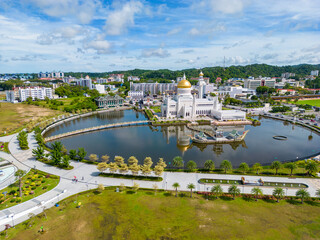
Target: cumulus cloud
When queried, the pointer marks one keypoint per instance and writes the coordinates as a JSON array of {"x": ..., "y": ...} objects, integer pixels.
[
  {"x": 27, "y": 58},
  {"x": 119, "y": 20},
  {"x": 221, "y": 6},
  {"x": 237, "y": 60},
  {"x": 100, "y": 46},
  {"x": 207, "y": 29},
  {"x": 82, "y": 10},
  {"x": 60, "y": 35},
  {"x": 160, "y": 52}
]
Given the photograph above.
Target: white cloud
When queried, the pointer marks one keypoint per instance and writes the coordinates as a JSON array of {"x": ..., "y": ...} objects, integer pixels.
[
  {"x": 228, "y": 7},
  {"x": 119, "y": 20},
  {"x": 207, "y": 29},
  {"x": 82, "y": 10},
  {"x": 101, "y": 46},
  {"x": 160, "y": 52},
  {"x": 174, "y": 31}
]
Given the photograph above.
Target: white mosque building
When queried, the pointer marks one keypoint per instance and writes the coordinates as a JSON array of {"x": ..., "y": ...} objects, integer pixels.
[{"x": 187, "y": 106}]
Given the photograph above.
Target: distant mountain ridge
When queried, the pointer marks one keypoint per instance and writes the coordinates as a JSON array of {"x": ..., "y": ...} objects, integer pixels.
[{"x": 254, "y": 70}]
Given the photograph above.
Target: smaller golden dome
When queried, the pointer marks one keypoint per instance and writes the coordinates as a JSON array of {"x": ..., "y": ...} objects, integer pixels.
[
  {"x": 182, "y": 148},
  {"x": 184, "y": 84}
]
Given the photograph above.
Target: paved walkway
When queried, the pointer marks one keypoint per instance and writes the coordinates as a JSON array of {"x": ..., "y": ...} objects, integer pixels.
[{"x": 89, "y": 179}]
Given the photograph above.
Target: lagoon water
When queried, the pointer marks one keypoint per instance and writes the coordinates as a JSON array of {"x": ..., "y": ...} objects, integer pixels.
[{"x": 168, "y": 142}]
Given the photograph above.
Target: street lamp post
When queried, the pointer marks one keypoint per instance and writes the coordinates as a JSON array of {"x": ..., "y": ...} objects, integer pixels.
[
  {"x": 166, "y": 185},
  {"x": 12, "y": 215}
]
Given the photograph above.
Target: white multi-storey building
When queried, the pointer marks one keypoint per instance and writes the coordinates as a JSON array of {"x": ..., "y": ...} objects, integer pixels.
[
  {"x": 22, "y": 94},
  {"x": 254, "y": 83},
  {"x": 84, "y": 82},
  {"x": 153, "y": 88},
  {"x": 136, "y": 94},
  {"x": 51, "y": 75},
  {"x": 287, "y": 75},
  {"x": 133, "y": 78},
  {"x": 116, "y": 78},
  {"x": 315, "y": 73},
  {"x": 234, "y": 92},
  {"x": 100, "y": 88}
]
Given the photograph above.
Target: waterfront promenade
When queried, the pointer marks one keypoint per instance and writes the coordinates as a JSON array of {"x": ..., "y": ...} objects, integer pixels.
[{"x": 89, "y": 179}]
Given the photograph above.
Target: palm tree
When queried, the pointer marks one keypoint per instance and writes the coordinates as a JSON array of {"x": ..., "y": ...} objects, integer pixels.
[
  {"x": 311, "y": 167},
  {"x": 302, "y": 193},
  {"x": 226, "y": 165},
  {"x": 257, "y": 167},
  {"x": 209, "y": 165},
  {"x": 278, "y": 193},
  {"x": 276, "y": 165},
  {"x": 217, "y": 190},
  {"x": 292, "y": 166},
  {"x": 191, "y": 187},
  {"x": 234, "y": 190},
  {"x": 176, "y": 186},
  {"x": 20, "y": 173},
  {"x": 38, "y": 152},
  {"x": 244, "y": 167},
  {"x": 256, "y": 191}
]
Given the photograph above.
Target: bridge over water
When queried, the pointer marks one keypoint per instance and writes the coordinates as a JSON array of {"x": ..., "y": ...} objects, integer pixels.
[{"x": 92, "y": 129}]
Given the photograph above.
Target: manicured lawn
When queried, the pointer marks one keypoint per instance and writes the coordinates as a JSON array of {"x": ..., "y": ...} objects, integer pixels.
[
  {"x": 127, "y": 215},
  {"x": 40, "y": 181},
  {"x": 15, "y": 117},
  {"x": 314, "y": 102}
]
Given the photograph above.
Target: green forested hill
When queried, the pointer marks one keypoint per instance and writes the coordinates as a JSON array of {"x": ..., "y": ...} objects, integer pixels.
[{"x": 254, "y": 70}]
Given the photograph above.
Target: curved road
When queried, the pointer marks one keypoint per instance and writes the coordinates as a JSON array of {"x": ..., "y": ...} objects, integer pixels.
[{"x": 89, "y": 179}]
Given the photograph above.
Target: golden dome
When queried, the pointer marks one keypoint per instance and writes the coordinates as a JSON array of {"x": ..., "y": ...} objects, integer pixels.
[
  {"x": 184, "y": 84},
  {"x": 182, "y": 148},
  {"x": 201, "y": 74}
]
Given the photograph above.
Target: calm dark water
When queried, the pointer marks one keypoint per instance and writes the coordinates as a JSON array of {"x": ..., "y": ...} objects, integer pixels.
[
  {"x": 96, "y": 120},
  {"x": 168, "y": 142}
]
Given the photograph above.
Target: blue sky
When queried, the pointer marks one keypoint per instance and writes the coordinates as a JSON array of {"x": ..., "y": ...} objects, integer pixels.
[{"x": 101, "y": 35}]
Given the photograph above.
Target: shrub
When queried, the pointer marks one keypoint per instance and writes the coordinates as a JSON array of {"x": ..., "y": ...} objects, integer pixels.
[
  {"x": 12, "y": 192},
  {"x": 12, "y": 200},
  {"x": 18, "y": 199},
  {"x": 45, "y": 187},
  {"x": 43, "y": 181},
  {"x": 48, "y": 175},
  {"x": 33, "y": 188}
]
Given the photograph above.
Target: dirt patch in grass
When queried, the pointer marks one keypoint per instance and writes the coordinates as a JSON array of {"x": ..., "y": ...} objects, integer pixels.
[{"x": 16, "y": 116}]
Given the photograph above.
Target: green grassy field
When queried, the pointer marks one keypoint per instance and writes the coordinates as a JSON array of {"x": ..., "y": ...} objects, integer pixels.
[
  {"x": 315, "y": 102},
  {"x": 143, "y": 215}
]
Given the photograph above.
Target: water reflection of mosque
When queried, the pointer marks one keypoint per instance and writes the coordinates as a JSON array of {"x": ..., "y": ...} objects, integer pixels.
[{"x": 183, "y": 136}]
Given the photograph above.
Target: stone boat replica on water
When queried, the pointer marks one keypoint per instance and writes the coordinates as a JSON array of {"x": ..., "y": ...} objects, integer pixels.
[{"x": 218, "y": 137}]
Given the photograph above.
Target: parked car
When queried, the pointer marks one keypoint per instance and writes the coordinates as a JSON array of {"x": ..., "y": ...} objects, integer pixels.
[{"x": 312, "y": 120}]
